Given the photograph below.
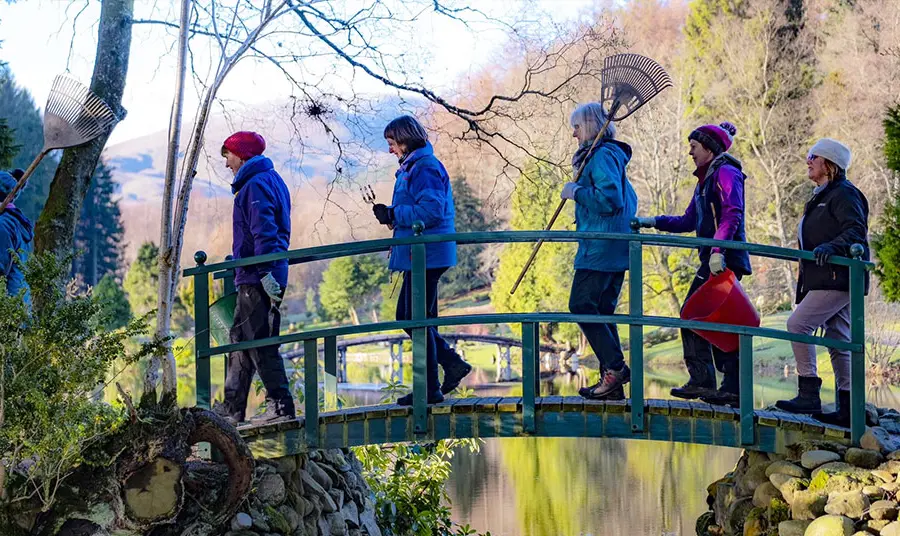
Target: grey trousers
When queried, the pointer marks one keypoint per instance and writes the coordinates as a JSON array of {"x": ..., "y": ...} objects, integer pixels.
[{"x": 831, "y": 309}]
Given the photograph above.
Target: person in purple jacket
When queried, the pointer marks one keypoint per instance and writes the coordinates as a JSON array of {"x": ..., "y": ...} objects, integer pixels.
[
  {"x": 262, "y": 225},
  {"x": 716, "y": 211}
]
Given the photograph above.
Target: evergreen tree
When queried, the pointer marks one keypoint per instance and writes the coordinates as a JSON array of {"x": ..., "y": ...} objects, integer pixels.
[
  {"x": 8, "y": 147},
  {"x": 98, "y": 237},
  {"x": 24, "y": 118},
  {"x": 886, "y": 243},
  {"x": 115, "y": 311},
  {"x": 350, "y": 284},
  {"x": 466, "y": 275},
  {"x": 142, "y": 280}
]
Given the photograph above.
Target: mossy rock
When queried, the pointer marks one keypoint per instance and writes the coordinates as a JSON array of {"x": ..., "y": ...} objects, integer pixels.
[
  {"x": 737, "y": 515},
  {"x": 704, "y": 522},
  {"x": 795, "y": 451},
  {"x": 777, "y": 512},
  {"x": 827, "y": 481}
]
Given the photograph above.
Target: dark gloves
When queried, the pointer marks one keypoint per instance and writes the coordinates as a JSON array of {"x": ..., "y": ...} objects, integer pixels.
[
  {"x": 384, "y": 214},
  {"x": 824, "y": 252},
  {"x": 17, "y": 173}
]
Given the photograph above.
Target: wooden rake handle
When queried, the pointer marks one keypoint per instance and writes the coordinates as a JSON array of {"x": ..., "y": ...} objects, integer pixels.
[
  {"x": 562, "y": 203},
  {"x": 23, "y": 180}
]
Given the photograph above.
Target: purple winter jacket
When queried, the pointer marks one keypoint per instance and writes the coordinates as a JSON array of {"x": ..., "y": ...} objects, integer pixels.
[
  {"x": 261, "y": 220},
  {"x": 716, "y": 211}
]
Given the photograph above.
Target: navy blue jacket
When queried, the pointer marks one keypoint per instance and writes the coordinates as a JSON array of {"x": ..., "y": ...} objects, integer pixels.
[
  {"x": 16, "y": 234},
  {"x": 261, "y": 220},
  {"x": 422, "y": 192}
]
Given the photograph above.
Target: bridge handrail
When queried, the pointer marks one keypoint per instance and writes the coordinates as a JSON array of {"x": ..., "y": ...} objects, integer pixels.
[{"x": 530, "y": 323}]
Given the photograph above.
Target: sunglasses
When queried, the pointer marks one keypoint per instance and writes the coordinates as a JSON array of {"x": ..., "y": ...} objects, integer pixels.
[{"x": 811, "y": 157}]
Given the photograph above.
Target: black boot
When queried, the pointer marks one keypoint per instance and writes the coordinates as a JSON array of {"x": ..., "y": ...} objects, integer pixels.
[
  {"x": 841, "y": 417},
  {"x": 807, "y": 400}
]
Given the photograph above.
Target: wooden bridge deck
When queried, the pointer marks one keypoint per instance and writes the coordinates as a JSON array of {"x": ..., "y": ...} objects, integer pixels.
[{"x": 555, "y": 416}]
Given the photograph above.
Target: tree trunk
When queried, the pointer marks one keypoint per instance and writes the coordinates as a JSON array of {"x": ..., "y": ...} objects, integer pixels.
[
  {"x": 354, "y": 317},
  {"x": 55, "y": 231}
]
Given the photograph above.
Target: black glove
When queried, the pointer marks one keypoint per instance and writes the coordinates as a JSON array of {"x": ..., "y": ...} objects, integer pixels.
[
  {"x": 823, "y": 253},
  {"x": 384, "y": 214},
  {"x": 17, "y": 173}
]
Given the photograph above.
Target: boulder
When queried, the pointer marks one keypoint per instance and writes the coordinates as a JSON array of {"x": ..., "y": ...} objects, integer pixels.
[
  {"x": 875, "y": 525},
  {"x": 315, "y": 491},
  {"x": 891, "y": 529},
  {"x": 291, "y": 517},
  {"x": 764, "y": 494},
  {"x": 260, "y": 522},
  {"x": 796, "y": 450},
  {"x": 830, "y": 526},
  {"x": 895, "y": 455},
  {"x": 791, "y": 487},
  {"x": 879, "y": 439},
  {"x": 874, "y": 493},
  {"x": 270, "y": 490},
  {"x": 737, "y": 515},
  {"x": 319, "y": 475},
  {"x": 890, "y": 422},
  {"x": 814, "y": 458},
  {"x": 241, "y": 521},
  {"x": 367, "y": 522},
  {"x": 786, "y": 468},
  {"x": 890, "y": 466},
  {"x": 836, "y": 467},
  {"x": 885, "y": 510},
  {"x": 755, "y": 525},
  {"x": 890, "y": 487},
  {"x": 808, "y": 505},
  {"x": 865, "y": 458},
  {"x": 753, "y": 478},
  {"x": 336, "y": 522},
  {"x": 779, "y": 479},
  {"x": 351, "y": 514},
  {"x": 885, "y": 476},
  {"x": 792, "y": 527},
  {"x": 853, "y": 504},
  {"x": 286, "y": 465}
]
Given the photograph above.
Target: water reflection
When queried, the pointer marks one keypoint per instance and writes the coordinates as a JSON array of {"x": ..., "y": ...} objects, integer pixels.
[{"x": 572, "y": 486}]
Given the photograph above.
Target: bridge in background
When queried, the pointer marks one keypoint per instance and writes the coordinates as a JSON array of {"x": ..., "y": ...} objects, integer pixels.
[
  {"x": 325, "y": 425},
  {"x": 395, "y": 342}
]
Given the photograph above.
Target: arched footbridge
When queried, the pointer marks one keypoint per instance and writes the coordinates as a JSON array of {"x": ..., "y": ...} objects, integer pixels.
[{"x": 322, "y": 424}]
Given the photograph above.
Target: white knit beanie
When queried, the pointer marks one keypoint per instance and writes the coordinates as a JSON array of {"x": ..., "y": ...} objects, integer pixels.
[{"x": 834, "y": 151}]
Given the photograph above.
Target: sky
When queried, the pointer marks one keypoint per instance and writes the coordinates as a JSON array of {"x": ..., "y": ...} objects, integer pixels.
[{"x": 37, "y": 36}]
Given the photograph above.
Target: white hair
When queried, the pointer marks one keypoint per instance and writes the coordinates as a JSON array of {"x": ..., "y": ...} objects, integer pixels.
[{"x": 591, "y": 116}]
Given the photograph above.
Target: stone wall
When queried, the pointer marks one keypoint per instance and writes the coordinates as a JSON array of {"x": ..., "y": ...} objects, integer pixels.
[
  {"x": 819, "y": 488},
  {"x": 322, "y": 493}
]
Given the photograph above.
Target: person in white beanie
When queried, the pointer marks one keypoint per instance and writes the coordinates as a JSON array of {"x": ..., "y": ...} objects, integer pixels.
[{"x": 834, "y": 219}]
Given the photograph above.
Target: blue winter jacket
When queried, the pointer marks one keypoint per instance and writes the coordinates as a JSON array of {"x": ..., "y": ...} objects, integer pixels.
[
  {"x": 16, "y": 235},
  {"x": 422, "y": 192},
  {"x": 262, "y": 220},
  {"x": 606, "y": 202}
]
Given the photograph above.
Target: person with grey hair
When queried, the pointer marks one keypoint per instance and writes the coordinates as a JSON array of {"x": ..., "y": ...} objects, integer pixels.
[
  {"x": 16, "y": 236},
  {"x": 835, "y": 218},
  {"x": 605, "y": 201}
]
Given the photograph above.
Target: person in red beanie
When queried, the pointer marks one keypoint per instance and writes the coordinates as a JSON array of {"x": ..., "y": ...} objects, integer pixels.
[
  {"x": 716, "y": 211},
  {"x": 261, "y": 225}
]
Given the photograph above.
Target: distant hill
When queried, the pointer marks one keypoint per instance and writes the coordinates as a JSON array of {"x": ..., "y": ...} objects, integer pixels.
[{"x": 326, "y": 205}]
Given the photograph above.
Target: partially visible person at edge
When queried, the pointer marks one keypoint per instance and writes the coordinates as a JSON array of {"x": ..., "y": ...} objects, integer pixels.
[
  {"x": 422, "y": 193},
  {"x": 835, "y": 218},
  {"x": 605, "y": 201},
  {"x": 715, "y": 211},
  {"x": 261, "y": 225},
  {"x": 16, "y": 236}
]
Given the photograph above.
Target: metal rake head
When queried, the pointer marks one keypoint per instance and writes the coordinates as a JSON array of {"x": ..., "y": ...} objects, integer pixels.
[
  {"x": 368, "y": 194},
  {"x": 629, "y": 81},
  {"x": 74, "y": 115}
]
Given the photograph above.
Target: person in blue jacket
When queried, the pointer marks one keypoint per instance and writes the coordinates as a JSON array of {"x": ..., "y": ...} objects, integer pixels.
[
  {"x": 16, "y": 236},
  {"x": 422, "y": 192},
  {"x": 605, "y": 201},
  {"x": 262, "y": 225}
]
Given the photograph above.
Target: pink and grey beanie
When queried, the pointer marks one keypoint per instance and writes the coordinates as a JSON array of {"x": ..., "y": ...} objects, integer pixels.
[
  {"x": 716, "y": 138},
  {"x": 245, "y": 144}
]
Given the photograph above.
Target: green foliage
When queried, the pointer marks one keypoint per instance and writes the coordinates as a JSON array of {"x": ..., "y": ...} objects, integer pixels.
[
  {"x": 51, "y": 361},
  {"x": 142, "y": 280},
  {"x": 351, "y": 284},
  {"x": 98, "y": 236},
  {"x": 115, "y": 311},
  {"x": 24, "y": 118},
  {"x": 409, "y": 485},
  {"x": 467, "y": 275},
  {"x": 546, "y": 285},
  {"x": 8, "y": 147},
  {"x": 311, "y": 307},
  {"x": 886, "y": 243}
]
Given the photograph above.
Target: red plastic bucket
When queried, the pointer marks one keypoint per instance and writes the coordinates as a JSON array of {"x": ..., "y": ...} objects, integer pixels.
[{"x": 721, "y": 300}]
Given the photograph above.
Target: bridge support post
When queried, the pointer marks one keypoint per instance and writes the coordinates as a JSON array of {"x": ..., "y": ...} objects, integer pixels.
[
  {"x": 858, "y": 357},
  {"x": 419, "y": 335},
  {"x": 310, "y": 391},
  {"x": 530, "y": 378},
  {"x": 397, "y": 363},
  {"x": 636, "y": 334},
  {"x": 330, "y": 373},
  {"x": 745, "y": 357},
  {"x": 504, "y": 364},
  {"x": 201, "y": 330},
  {"x": 342, "y": 366}
]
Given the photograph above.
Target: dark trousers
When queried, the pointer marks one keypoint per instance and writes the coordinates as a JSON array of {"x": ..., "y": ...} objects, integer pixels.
[
  {"x": 597, "y": 293},
  {"x": 702, "y": 358},
  {"x": 439, "y": 351},
  {"x": 255, "y": 318}
]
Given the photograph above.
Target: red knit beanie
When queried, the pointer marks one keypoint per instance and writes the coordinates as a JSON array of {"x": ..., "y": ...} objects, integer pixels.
[
  {"x": 716, "y": 138},
  {"x": 245, "y": 144}
]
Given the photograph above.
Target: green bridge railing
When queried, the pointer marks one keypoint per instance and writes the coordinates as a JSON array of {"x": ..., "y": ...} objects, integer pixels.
[{"x": 529, "y": 322}]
